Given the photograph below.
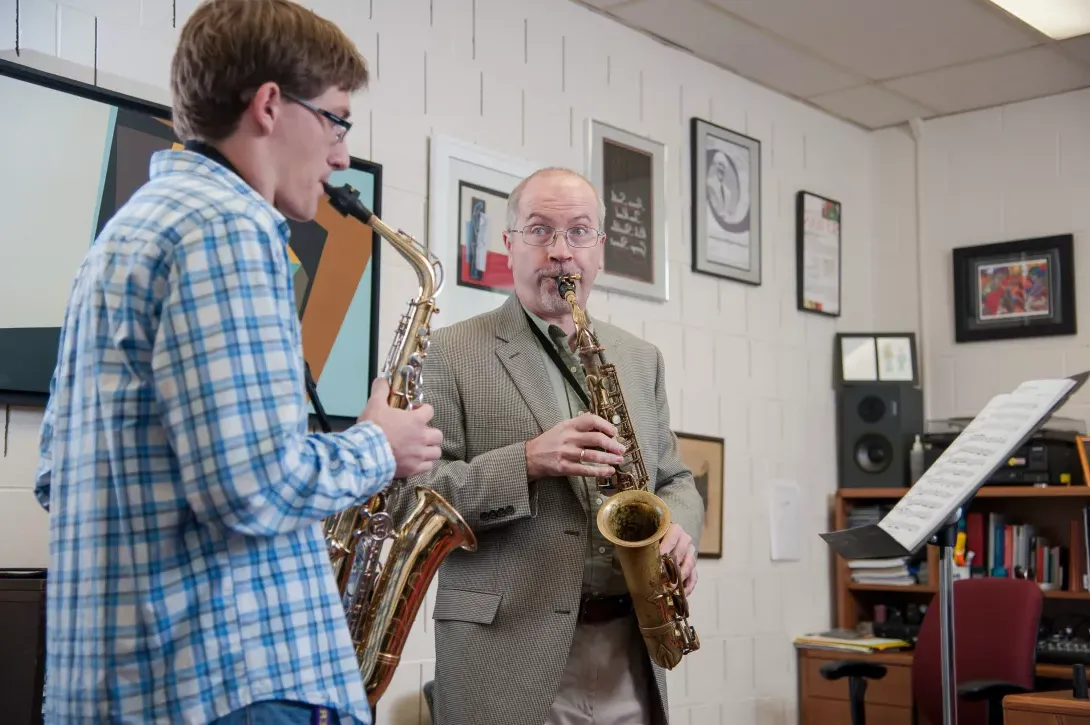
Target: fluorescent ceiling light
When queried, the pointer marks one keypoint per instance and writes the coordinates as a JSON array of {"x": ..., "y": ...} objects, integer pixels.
[{"x": 1058, "y": 19}]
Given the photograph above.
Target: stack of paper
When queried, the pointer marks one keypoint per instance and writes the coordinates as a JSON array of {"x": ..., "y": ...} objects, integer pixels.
[
  {"x": 849, "y": 642},
  {"x": 890, "y": 572}
]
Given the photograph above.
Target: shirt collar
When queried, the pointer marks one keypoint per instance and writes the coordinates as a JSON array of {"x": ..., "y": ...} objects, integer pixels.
[
  {"x": 181, "y": 162},
  {"x": 547, "y": 327}
]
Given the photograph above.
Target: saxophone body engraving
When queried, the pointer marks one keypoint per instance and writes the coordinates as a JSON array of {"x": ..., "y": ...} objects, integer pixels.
[
  {"x": 381, "y": 600},
  {"x": 633, "y": 518}
]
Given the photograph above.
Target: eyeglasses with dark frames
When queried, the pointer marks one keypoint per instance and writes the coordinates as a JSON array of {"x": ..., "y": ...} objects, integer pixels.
[
  {"x": 342, "y": 125},
  {"x": 543, "y": 235}
]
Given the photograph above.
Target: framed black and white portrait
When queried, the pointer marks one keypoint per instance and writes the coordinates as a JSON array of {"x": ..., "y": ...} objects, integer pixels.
[{"x": 726, "y": 202}]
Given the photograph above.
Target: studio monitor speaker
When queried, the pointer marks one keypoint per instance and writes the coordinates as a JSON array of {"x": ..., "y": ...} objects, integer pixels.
[{"x": 876, "y": 427}]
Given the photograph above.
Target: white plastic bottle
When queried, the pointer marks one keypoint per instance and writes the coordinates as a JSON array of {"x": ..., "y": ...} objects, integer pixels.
[{"x": 915, "y": 461}]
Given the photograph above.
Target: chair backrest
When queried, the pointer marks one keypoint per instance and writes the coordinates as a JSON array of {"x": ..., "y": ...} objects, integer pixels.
[{"x": 995, "y": 638}]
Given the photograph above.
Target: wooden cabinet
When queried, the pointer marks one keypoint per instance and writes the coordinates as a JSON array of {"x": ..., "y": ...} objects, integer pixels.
[
  {"x": 1046, "y": 708},
  {"x": 823, "y": 702}
]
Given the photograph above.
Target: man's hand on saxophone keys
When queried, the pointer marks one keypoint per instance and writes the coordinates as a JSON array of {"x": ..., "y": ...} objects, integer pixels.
[
  {"x": 680, "y": 544},
  {"x": 580, "y": 446}
]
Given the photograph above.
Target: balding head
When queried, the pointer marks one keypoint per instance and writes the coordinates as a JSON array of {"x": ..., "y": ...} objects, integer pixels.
[
  {"x": 515, "y": 198},
  {"x": 560, "y": 200}
]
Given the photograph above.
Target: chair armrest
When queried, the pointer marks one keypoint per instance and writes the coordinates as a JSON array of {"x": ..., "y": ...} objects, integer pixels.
[
  {"x": 988, "y": 690},
  {"x": 852, "y": 668}
]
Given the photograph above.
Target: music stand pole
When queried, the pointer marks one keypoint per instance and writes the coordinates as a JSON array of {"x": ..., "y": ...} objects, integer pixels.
[{"x": 946, "y": 539}]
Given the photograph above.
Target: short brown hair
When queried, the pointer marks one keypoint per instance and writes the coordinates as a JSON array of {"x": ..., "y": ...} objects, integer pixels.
[{"x": 230, "y": 47}]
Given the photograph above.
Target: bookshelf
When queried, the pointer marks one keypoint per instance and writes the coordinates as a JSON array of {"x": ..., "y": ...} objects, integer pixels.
[{"x": 1053, "y": 512}]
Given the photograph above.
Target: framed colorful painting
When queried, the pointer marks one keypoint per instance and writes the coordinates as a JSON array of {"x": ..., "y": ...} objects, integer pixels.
[
  {"x": 101, "y": 146},
  {"x": 467, "y": 217},
  {"x": 1017, "y": 289}
]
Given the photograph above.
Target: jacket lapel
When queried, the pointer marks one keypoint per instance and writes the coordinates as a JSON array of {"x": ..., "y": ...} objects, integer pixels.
[{"x": 521, "y": 355}]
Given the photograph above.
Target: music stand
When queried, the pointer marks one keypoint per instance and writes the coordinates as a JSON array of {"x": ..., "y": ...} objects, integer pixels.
[{"x": 953, "y": 480}]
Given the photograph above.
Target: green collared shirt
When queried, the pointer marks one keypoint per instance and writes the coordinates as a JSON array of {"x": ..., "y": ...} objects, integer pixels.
[{"x": 602, "y": 574}]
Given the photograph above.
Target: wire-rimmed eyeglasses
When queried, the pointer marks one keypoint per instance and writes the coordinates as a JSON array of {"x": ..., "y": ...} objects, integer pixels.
[{"x": 543, "y": 235}]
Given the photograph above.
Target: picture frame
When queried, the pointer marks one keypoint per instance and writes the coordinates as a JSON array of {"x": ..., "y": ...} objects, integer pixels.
[
  {"x": 469, "y": 186},
  {"x": 818, "y": 223},
  {"x": 875, "y": 357},
  {"x": 705, "y": 457},
  {"x": 1016, "y": 289},
  {"x": 333, "y": 260},
  {"x": 725, "y": 170},
  {"x": 629, "y": 172}
]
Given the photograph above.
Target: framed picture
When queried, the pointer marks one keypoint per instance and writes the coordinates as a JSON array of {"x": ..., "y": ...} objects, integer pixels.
[
  {"x": 817, "y": 253},
  {"x": 885, "y": 357},
  {"x": 629, "y": 172},
  {"x": 1016, "y": 289},
  {"x": 467, "y": 216},
  {"x": 726, "y": 202},
  {"x": 104, "y": 142},
  {"x": 704, "y": 455}
]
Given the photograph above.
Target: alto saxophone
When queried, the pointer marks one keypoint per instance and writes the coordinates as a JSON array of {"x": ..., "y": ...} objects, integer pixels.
[
  {"x": 381, "y": 601},
  {"x": 633, "y": 518}
]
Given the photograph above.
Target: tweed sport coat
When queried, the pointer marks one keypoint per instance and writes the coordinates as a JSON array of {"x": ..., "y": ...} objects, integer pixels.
[{"x": 505, "y": 615}]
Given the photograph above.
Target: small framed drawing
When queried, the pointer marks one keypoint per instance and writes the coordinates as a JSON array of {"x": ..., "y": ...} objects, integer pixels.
[
  {"x": 629, "y": 172},
  {"x": 467, "y": 217},
  {"x": 1017, "y": 289},
  {"x": 817, "y": 253},
  {"x": 704, "y": 457},
  {"x": 882, "y": 357},
  {"x": 726, "y": 206}
]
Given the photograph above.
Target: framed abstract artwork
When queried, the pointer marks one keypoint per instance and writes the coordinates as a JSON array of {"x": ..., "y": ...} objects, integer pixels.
[
  {"x": 704, "y": 455},
  {"x": 726, "y": 202},
  {"x": 469, "y": 188},
  {"x": 629, "y": 172},
  {"x": 1016, "y": 289},
  {"x": 102, "y": 144}
]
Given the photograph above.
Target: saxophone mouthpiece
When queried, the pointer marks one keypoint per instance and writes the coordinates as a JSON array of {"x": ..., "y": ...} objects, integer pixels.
[
  {"x": 346, "y": 200},
  {"x": 566, "y": 283}
]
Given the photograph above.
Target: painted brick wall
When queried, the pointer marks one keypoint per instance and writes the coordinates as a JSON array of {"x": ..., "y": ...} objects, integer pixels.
[
  {"x": 522, "y": 77},
  {"x": 1012, "y": 172}
]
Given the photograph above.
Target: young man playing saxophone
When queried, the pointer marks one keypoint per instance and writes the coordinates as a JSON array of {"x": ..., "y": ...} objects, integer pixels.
[
  {"x": 536, "y": 626},
  {"x": 189, "y": 580}
]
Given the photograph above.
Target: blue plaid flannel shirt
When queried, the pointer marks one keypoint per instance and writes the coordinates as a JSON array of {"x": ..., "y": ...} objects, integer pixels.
[{"x": 188, "y": 574}]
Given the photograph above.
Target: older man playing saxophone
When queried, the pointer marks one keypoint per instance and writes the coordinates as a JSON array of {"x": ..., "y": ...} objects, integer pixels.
[{"x": 537, "y": 625}]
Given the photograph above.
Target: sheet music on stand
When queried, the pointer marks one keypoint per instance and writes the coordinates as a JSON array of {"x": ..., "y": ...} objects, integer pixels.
[{"x": 1005, "y": 423}]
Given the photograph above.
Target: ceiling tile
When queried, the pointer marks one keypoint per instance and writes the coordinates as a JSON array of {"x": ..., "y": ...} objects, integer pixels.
[
  {"x": 720, "y": 39},
  {"x": 1016, "y": 77},
  {"x": 871, "y": 106},
  {"x": 888, "y": 38}
]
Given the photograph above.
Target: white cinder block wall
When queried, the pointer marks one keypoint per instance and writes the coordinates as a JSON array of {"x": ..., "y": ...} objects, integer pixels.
[
  {"x": 1006, "y": 173},
  {"x": 522, "y": 77}
]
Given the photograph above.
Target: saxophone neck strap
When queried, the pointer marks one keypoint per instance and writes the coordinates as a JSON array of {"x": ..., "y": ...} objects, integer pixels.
[{"x": 550, "y": 349}]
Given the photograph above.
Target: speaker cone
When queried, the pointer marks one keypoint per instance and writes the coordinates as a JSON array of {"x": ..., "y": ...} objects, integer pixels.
[{"x": 873, "y": 453}]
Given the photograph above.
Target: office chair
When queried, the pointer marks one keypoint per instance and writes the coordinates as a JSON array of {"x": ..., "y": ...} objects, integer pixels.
[{"x": 995, "y": 650}]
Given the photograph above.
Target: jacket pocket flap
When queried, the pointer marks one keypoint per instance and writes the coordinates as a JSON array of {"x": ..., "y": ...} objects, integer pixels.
[{"x": 464, "y": 605}]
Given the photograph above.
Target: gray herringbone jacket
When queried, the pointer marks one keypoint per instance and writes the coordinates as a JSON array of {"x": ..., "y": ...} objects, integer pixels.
[{"x": 505, "y": 615}]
